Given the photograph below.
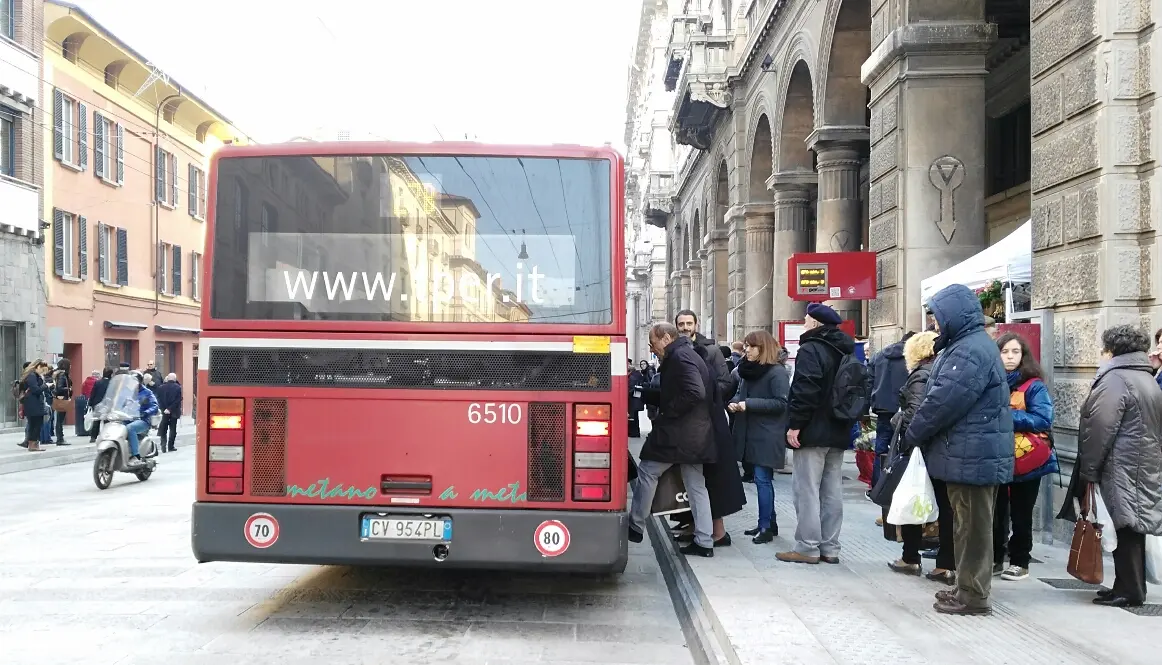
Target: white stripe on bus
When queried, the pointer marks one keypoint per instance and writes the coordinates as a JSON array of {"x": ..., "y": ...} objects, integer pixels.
[{"x": 205, "y": 344}]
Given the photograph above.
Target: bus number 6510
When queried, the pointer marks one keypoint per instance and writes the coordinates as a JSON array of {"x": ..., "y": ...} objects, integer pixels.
[{"x": 489, "y": 413}]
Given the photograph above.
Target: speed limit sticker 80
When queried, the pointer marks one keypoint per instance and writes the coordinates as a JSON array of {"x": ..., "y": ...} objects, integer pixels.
[
  {"x": 261, "y": 530},
  {"x": 551, "y": 538}
]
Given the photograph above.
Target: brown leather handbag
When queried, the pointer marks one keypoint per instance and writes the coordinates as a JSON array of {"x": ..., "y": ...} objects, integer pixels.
[{"x": 1085, "y": 553}]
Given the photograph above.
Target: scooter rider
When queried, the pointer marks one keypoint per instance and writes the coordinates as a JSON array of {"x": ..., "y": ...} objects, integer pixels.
[{"x": 148, "y": 404}]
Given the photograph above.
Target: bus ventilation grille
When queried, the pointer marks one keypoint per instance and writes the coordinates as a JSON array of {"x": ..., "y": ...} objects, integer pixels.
[
  {"x": 546, "y": 451},
  {"x": 268, "y": 448},
  {"x": 411, "y": 369}
]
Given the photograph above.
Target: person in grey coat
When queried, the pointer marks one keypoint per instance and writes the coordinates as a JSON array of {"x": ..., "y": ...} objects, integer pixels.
[
  {"x": 760, "y": 421},
  {"x": 1120, "y": 447}
]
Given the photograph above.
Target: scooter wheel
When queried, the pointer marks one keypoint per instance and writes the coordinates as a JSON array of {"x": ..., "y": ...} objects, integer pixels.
[
  {"x": 144, "y": 474},
  {"x": 103, "y": 469}
]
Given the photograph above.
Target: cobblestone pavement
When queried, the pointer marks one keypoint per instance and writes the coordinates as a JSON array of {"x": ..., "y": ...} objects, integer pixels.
[
  {"x": 14, "y": 459},
  {"x": 107, "y": 577},
  {"x": 860, "y": 612}
]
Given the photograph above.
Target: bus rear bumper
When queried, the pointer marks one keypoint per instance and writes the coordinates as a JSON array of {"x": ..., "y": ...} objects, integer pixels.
[{"x": 481, "y": 539}]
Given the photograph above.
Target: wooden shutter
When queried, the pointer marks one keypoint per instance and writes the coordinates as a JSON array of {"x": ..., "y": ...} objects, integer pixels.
[
  {"x": 122, "y": 257},
  {"x": 159, "y": 274},
  {"x": 102, "y": 254},
  {"x": 159, "y": 175},
  {"x": 99, "y": 146},
  {"x": 173, "y": 185},
  {"x": 58, "y": 242},
  {"x": 177, "y": 270},
  {"x": 58, "y": 127},
  {"x": 82, "y": 135},
  {"x": 195, "y": 268},
  {"x": 193, "y": 193},
  {"x": 120, "y": 155},
  {"x": 83, "y": 247}
]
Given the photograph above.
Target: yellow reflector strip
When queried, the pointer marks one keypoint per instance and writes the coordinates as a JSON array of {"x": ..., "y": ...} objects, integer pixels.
[{"x": 590, "y": 344}]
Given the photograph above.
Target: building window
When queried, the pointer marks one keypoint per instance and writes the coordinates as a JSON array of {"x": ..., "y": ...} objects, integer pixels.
[
  {"x": 166, "y": 176},
  {"x": 106, "y": 242},
  {"x": 70, "y": 245},
  {"x": 70, "y": 130},
  {"x": 7, "y": 141},
  {"x": 197, "y": 193},
  {"x": 108, "y": 150},
  {"x": 165, "y": 357},
  {"x": 7, "y": 19},
  {"x": 118, "y": 351},
  {"x": 195, "y": 275},
  {"x": 1009, "y": 146}
]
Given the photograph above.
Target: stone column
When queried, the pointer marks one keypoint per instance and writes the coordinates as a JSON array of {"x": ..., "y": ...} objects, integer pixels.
[
  {"x": 717, "y": 286},
  {"x": 673, "y": 295},
  {"x": 760, "y": 227},
  {"x": 736, "y": 269},
  {"x": 839, "y": 152},
  {"x": 632, "y": 325},
  {"x": 683, "y": 290},
  {"x": 792, "y": 220},
  {"x": 705, "y": 294},
  {"x": 694, "y": 268},
  {"x": 927, "y": 165}
]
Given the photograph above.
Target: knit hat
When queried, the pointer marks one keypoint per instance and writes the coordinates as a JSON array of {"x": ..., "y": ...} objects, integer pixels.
[{"x": 823, "y": 314}]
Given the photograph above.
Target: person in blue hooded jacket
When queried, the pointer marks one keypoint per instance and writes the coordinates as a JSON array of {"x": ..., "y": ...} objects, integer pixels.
[
  {"x": 964, "y": 429},
  {"x": 147, "y": 402}
]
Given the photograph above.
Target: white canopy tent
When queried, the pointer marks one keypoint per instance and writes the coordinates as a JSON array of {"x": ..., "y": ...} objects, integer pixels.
[{"x": 1010, "y": 260}]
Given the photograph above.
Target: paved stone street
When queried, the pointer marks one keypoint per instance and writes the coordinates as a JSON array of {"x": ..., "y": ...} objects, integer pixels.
[
  {"x": 14, "y": 459},
  {"x": 860, "y": 612},
  {"x": 107, "y": 577}
]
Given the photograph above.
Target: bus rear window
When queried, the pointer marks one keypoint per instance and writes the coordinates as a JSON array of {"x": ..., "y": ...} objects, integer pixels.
[{"x": 413, "y": 239}]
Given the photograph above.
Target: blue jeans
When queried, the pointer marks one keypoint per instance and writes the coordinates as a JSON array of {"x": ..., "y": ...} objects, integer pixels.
[
  {"x": 763, "y": 477},
  {"x": 134, "y": 428},
  {"x": 884, "y": 432}
]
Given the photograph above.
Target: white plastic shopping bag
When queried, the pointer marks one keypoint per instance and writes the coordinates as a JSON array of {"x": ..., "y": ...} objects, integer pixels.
[
  {"x": 1154, "y": 559},
  {"x": 914, "y": 501},
  {"x": 1109, "y": 536}
]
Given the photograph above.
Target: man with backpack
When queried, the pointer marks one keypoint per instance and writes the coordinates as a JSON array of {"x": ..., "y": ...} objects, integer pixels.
[{"x": 829, "y": 393}]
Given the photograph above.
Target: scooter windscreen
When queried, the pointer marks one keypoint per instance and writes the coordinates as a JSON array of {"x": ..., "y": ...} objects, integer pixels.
[{"x": 121, "y": 402}]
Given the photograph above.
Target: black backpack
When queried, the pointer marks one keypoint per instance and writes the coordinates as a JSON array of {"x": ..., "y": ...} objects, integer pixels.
[{"x": 850, "y": 389}]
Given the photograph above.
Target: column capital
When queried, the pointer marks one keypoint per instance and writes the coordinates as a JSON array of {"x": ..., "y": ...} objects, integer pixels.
[
  {"x": 693, "y": 265},
  {"x": 683, "y": 274},
  {"x": 702, "y": 254},
  {"x": 718, "y": 239},
  {"x": 849, "y": 137},
  {"x": 749, "y": 210},
  {"x": 932, "y": 37},
  {"x": 759, "y": 224},
  {"x": 792, "y": 181}
]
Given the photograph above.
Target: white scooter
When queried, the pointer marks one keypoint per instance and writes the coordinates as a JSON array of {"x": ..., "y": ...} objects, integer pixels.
[
  {"x": 114, "y": 413},
  {"x": 113, "y": 452}
]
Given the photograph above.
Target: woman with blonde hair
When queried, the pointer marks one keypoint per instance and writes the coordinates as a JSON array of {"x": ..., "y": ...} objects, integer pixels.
[
  {"x": 759, "y": 406},
  {"x": 919, "y": 354},
  {"x": 33, "y": 401}
]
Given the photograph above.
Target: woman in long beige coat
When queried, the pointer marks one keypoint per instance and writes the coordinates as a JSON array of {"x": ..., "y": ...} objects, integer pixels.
[{"x": 1120, "y": 448}]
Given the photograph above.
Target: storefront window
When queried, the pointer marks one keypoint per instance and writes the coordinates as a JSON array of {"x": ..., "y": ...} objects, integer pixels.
[
  {"x": 165, "y": 357},
  {"x": 118, "y": 351}
]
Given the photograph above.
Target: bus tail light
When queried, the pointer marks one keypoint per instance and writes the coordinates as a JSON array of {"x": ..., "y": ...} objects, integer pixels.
[
  {"x": 592, "y": 446},
  {"x": 225, "y": 451}
]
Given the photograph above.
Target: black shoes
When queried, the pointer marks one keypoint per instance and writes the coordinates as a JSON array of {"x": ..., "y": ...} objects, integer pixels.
[
  {"x": 635, "y": 536},
  {"x": 697, "y": 550},
  {"x": 764, "y": 537},
  {"x": 1110, "y": 600}
]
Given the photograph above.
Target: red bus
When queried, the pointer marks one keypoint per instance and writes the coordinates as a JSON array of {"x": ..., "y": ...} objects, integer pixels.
[{"x": 413, "y": 354}]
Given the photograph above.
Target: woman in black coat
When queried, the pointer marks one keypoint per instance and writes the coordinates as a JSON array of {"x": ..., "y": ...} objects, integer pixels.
[
  {"x": 760, "y": 422},
  {"x": 919, "y": 354},
  {"x": 33, "y": 400}
]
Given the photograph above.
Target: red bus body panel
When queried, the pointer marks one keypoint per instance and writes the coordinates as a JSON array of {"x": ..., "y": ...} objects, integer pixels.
[{"x": 341, "y": 442}]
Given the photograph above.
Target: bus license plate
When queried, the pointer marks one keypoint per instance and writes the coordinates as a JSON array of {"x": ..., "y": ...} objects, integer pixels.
[{"x": 394, "y": 528}]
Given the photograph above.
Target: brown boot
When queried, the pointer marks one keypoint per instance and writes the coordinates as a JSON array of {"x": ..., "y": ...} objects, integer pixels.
[{"x": 795, "y": 557}]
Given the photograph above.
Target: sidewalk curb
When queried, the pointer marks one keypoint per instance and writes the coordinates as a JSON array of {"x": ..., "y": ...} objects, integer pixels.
[
  {"x": 705, "y": 637},
  {"x": 54, "y": 456}
]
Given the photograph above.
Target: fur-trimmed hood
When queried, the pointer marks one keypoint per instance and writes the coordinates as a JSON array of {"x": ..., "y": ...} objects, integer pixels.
[{"x": 918, "y": 348}]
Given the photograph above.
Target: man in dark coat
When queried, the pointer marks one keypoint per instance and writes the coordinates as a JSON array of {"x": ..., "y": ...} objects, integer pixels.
[
  {"x": 888, "y": 372},
  {"x": 95, "y": 398},
  {"x": 819, "y": 439},
  {"x": 687, "y": 324},
  {"x": 682, "y": 434},
  {"x": 169, "y": 400},
  {"x": 964, "y": 428}
]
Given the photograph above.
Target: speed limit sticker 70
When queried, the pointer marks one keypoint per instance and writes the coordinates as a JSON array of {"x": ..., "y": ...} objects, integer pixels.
[
  {"x": 551, "y": 538},
  {"x": 261, "y": 530}
]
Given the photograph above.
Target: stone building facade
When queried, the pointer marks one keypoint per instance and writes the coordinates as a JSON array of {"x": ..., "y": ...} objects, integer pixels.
[
  {"x": 922, "y": 130},
  {"x": 22, "y": 281}
]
